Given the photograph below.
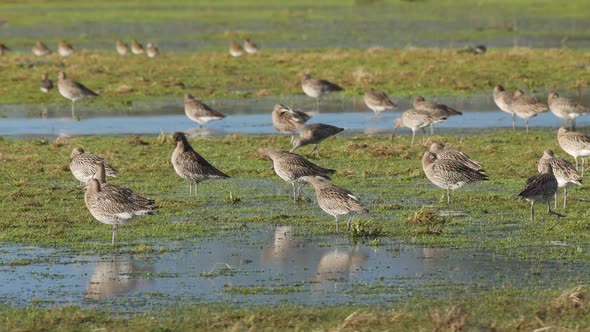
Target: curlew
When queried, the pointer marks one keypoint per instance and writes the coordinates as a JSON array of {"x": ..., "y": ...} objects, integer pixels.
[
  {"x": 335, "y": 201},
  {"x": 443, "y": 152},
  {"x": 540, "y": 188},
  {"x": 190, "y": 165},
  {"x": 250, "y": 46},
  {"x": 287, "y": 120},
  {"x": 503, "y": 99},
  {"x": 449, "y": 174},
  {"x": 314, "y": 134},
  {"x": 235, "y": 49},
  {"x": 378, "y": 101},
  {"x": 199, "y": 111},
  {"x": 435, "y": 109},
  {"x": 564, "y": 172},
  {"x": 100, "y": 175},
  {"x": 64, "y": 48},
  {"x": 293, "y": 168},
  {"x": 46, "y": 84},
  {"x": 136, "y": 47},
  {"x": 72, "y": 90},
  {"x": 526, "y": 107},
  {"x": 83, "y": 165},
  {"x": 566, "y": 108},
  {"x": 151, "y": 50},
  {"x": 40, "y": 49},
  {"x": 121, "y": 47},
  {"x": 316, "y": 88},
  {"x": 575, "y": 144},
  {"x": 415, "y": 119}
]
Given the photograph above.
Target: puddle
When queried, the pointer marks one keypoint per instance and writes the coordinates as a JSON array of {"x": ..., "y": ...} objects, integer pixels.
[
  {"x": 269, "y": 265},
  {"x": 248, "y": 116}
]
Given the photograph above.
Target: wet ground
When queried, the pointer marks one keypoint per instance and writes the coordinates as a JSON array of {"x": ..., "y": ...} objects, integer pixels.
[{"x": 266, "y": 265}]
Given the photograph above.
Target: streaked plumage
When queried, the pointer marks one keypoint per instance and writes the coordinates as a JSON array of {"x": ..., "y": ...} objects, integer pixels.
[
  {"x": 449, "y": 174},
  {"x": 565, "y": 108},
  {"x": 335, "y": 201},
  {"x": 40, "y": 49},
  {"x": 72, "y": 90},
  {"x": 415, "y": 119},
  {"x": 250, "y": 46},
  {"x": 293, "y": 168},
  {"x": 136, "y": 47},
  {"x": 121, "y": 47},
  {"x": 575, "y": 144},
  {"x": 64, "y": 48},
  {"x": 113, "y": 208},
  {"x": 316, "y": 88},
  {"x": 151, "y": 50},
  {"x": 287, "y": 120},
  {"x": 443, "y": 152},
  {"x": 563, "y": 170},
  {"x": 540, "y": 188},
  {"x": 46, "y": 84},
  {"x": 100, "y": 175},
  {"x": 526, "y": 107},
  {"x": 190, "y": 165},
  {"x": 83, "y": 165},
  {"x": 378, "y": 101},
  {"x": 3, "y": 49},
  {"x": 314, "y": 134},
  {"x": 436, "y": 109},
  {"x": 503, "y": 99},
  {"x": 199, "y": 111},
  {"x": 235, "y": 49}
]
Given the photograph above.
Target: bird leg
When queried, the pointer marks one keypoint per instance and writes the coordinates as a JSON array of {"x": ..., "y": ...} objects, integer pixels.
[
  {"x": 431, "y": 129},
  {"x": 292, "y": 139},
  {"x": 190, "y": 187},
  {"x": 317, "y": 153},
  {"x": 549, "y": 211},
  {"x": 348, "y": 224},
  {"x": 526, "y": 125},
  {"x": 336, "y": 223},
  {"x": 555, "y": 207},
  {"x": 577, "y": 168},
  {"x": 583, "y": 165},
  {"x": 299, "y": 190},
  {"x": 115, "y": 228},
  {"x": 294, "y": 192},
  {"x": 413, "y": 135},
  {"x": 448, "y": 196},
  {"x": 73, "y": 110},
  {"x": 196, "y": 187},
  {"x": 513, "y": 121},
  {"x": 533, "y": 211},
  {"x": 564, "y": 196}
]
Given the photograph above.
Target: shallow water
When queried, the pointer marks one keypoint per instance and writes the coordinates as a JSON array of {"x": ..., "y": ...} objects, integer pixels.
[
  {"x": 249, "y": 116},
  {"x": 265, "y": 266}
]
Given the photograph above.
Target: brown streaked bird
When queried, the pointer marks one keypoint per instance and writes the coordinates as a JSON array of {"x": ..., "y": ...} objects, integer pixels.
[
  {"x": 540, "y": 188},
  {"x": 72, "y": 90},
  {"x": 3, "y": 49},
  {"x": 100, "y": 175},
  {"x": 83, "y": 165},
  {"x": 436, "y": 109},
  {"x": 151, "y": 50},
  {"x": 415, "y": 119},
  {"x": 287, "y": 120},
  {"x": 449, "y": 174},
  {"x": 565, "y": 108},
  {"x": 199, "y": 111},
  {"x": 190, "y": 165},
  {"x": 443, "y": 152},
  {"x": 46, "y": 83},
  {"x": 575, "y": 144},
  {"x": 235, "y": 49},
  {"x": 40, "y": 49},
  {"x": 250, "y": 46},
  {"x": 335, "y": 201},
  {"x": 316, "y": 88},
  {"x": 113, "y": 208},
  {"x": 121, "y": 47},
  {"x": 136, "y": 47},
  {"x": 565, "y": 173},
  {"x": 503, "y": 99},
  {"x": 64, "y": 48},
  {"x": 378, "y": 101},
  {"x": 526, "y": 107},
  {"x": 293, "y": 168},
  {"x": 314, "y": 134}
]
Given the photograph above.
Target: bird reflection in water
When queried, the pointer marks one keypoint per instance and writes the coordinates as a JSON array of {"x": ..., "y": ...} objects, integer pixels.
[{"x": 114, "y": 277}]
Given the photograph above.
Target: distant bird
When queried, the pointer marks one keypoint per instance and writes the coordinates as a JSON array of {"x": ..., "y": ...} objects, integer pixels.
[
  {"x": 293, "y": 168},
  {"x": 334, "y": 200},
  {"x": 287, "y": 120},
  {"x": 526, "y": 107},
  {"x": 64, "y": 48},
  {"x": 436, "y": 109},
  {"x": 415, "y": 119},
  {"x": 314, "y": 134},
  {"x": 3, "y": 49},
  {"x": 199, "y": 111},
  {"x": 566, "y": 108},
  {"x": 83, "y": 165},
  {"x": 449, "y": 174},
  {"x": 250, "y": 46},
  {"x": 479, "y": 49},
  {"x": 121, "y": 47},
  {"x": 235, "y": 49},
  {"x": 100, "y": 175},
  {"x": 136, "y": 47},
  {"x": 72, "y": 90},
  {"x": 151, "y": 50},
  {"x": 378, "y": 101},
  {"x": 503, "y": 99},
  {"x": 443, "y": 152},
  {"x": 540, "y": 188},
  {"x": 575, "y": 144},
  {"x": 113, "y": 208},
  {"x": 190, "y": 165},
  {"x": 316, "y": 88},
  {"x": 563, "y": 170},
  {"x": 46, "y": 83},
  {"x": 41, "y": 49}
]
